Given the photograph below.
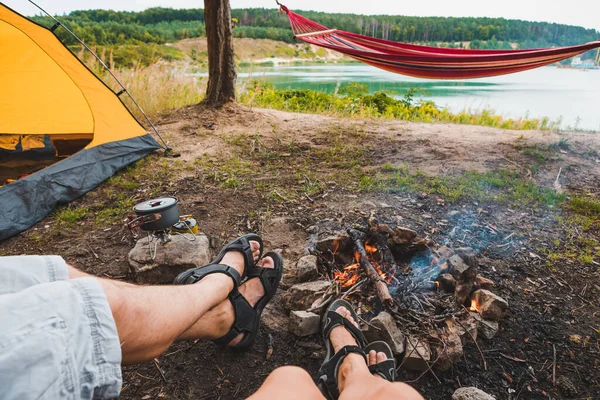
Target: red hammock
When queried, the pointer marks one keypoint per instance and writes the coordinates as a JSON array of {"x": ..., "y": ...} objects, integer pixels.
[{"x": 425, "y": 61}]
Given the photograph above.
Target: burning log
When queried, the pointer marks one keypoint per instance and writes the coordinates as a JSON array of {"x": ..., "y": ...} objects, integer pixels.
[{"x": 380, "y": 286}]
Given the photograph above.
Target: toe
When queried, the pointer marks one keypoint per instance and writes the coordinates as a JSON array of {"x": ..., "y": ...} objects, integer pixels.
[
  {"x": 381, "y": 357},
  {"x": 372, "y": 357},
  {"x": 266, "y": 262},
  {"x": 255, "y": 247}
]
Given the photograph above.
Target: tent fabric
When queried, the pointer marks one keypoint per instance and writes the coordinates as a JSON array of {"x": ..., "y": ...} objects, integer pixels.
[
  {"x": 425, "y": 61},
  {"x": 29, "y": 200},
  {"x": 51, "y": 100},
  {"x": 41, "y": 77}
]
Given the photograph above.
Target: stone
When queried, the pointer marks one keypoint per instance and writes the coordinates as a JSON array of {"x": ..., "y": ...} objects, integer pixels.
[
  {"x": 471, "y": 393},
  {"x": 483, "y": 283},
  {"x": 488, "y": 329},
  {"x": 306, "y": 269},
  {"x": 490, "y": 305},
  {"x": 417, "y": 354},
  {"x": 447, "y": 283},
  {"x": 467, "y": 330},
  {"x": 462, "y": 292},
  {"x": 453, "y": 213},
  {"x": 457, "y": 266},
  {"x": 453, "y": 351},
  {"x": 170, "y": 260},
  {"x": 444, "y": 252},
  {"x": 303, "y": 295},
  {"x": 304, "y": 323},
  {"x": 403, "y": 235},
  {"x": 468, "y": 256},
  {"x": 388, "y": 332},
  {"x": 340, "y": 245}
]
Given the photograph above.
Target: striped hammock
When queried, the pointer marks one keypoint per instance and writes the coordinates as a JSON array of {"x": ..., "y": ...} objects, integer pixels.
[{"x": 425, "y": 61}]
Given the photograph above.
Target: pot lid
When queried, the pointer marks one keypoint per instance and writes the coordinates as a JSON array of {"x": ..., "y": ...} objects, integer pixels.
[{"x": 155, "y": 205}]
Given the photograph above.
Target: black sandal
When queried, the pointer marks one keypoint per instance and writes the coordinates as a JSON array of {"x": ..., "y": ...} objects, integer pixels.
[
  {"x": 241, "y": 244},
  {"x": 386, "y": 369},
  {"x": 247, "y": 318},
  {"x": 327, "y": 380}
]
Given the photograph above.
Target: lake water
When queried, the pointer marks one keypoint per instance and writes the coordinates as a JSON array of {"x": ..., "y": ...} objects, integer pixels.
[{"x": 570, "y": 95}]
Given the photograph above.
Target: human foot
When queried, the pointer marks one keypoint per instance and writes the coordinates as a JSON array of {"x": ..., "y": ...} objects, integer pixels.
[
  {"x": 341, "y": 337},
  {"x": 375, "y": 358},
  {"x": 235, "y": 258},
  {"x": 234, "y": 322}
]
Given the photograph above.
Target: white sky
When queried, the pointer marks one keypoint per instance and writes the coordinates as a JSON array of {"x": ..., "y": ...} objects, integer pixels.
[{"x": 573, "y": 12}]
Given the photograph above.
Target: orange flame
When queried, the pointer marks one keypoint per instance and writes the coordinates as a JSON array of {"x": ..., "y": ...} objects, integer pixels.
[
  {"x": 474, "y": 305},
  {"x": 370, "y": 249}
]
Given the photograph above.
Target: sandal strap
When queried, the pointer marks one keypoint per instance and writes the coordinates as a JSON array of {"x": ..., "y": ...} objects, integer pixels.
[
  {"x": 386, "y": 369},
  {"x": 196, "y": 274},
  {"x": 242, "y": 245},
  {"x": 329, "y": 370},
  {"x": 269, "y": 278},
  {"x": 244, "y": 318},
  {"x": 333, "y": 319}
]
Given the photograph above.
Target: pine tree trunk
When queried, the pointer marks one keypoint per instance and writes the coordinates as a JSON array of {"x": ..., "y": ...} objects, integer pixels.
[{"x": 221, "y": 62}]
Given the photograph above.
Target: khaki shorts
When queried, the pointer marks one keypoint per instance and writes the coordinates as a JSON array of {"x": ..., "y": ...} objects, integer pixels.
[{"x": 58, "y": 339}]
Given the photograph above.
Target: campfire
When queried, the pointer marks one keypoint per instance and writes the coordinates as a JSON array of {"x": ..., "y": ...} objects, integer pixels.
[{"x": 424, "y": 299}]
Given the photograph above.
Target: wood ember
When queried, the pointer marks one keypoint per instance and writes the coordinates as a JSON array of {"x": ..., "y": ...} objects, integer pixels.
[{"x": 381, "y": 287}]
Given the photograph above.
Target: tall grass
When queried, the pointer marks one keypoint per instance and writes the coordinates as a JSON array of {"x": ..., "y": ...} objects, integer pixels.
[
  {"x": 158, "y": 88},
  {"x": 354, "y": 101}
]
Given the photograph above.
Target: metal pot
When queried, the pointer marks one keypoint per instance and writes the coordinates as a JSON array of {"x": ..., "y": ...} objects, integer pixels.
[{"x": 157, "y": 214}]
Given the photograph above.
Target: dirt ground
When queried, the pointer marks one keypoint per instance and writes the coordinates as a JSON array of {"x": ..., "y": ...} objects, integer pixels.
[{"x": 279, "y": 173}]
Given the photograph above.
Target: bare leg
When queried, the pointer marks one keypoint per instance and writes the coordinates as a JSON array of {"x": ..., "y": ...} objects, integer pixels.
[
  {"x": 150, "y": 318},
  {"x": 291, "y": 383},
  {"x": 354, "y": 379},
  {"x": 217, "y": 322}
]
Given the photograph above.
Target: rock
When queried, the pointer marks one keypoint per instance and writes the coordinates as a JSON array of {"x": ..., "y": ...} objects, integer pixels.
[
  {"x": 462, "y": 292},
  {"x": 388, "y": 332},
  {"x": 452, "y": 353},
  {"x": 416, "y": 354},
  {"x": 457, "y": 266},
  {"x": 341, "y": 245},
  {"x": 490, "y": 305},
  {"x": 488, "y": 329},
  {"x": 483, "y": 283},
  {"x": 304, "y": 323},
  {"x": 447, "y": 283},
  {"x": 177, "y": 256},
  {"x": 468, "y": 256},
  {"x": 445, "y": 252},
  {"x": 453, "y": 213},
  {"x": 467, "y": 330},
  {"x": 302, "y": 295},
  {"x": 306, "y": 269},
  {"x": 471, "y": 393},
  {"x": 403, "y": 235}
]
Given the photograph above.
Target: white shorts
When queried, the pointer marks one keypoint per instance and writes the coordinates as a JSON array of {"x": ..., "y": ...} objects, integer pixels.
[{"x": 58, "y": 338}]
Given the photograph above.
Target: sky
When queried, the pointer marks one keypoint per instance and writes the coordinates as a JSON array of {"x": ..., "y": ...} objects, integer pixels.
[{"x": 584, "y": 13}]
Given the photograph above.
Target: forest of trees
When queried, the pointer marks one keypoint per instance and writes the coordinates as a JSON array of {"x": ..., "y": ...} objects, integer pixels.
[{"x": 163, "y": 25}]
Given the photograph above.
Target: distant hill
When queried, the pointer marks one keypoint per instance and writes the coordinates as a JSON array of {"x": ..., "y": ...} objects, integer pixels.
[{"x": 162, "y": 25}]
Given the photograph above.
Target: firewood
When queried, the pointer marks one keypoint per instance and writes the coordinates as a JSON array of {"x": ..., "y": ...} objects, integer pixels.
[{"x": 380, "y": 286}]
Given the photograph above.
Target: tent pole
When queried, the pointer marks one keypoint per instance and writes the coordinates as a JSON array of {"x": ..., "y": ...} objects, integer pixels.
[{"x": 123, "y": 88}]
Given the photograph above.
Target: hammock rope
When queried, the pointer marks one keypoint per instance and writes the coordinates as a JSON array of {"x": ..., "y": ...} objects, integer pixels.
[{"x": 425, "y": 61}]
